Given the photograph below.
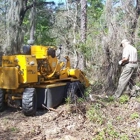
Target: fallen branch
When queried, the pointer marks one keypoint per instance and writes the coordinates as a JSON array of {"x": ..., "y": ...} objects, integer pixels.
[
  {"x": 59, "y": 114},
  {"x": 52, "y": 109}
]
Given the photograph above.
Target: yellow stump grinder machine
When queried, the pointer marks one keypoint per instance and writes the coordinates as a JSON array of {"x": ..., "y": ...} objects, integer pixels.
[{"x": 38, "y": 78}]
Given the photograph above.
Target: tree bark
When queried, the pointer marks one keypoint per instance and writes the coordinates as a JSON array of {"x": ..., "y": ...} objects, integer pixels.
[
  {"x": 81, "y": 57},
  {"x": 135, "y": 20},
  {"x": 14, "y": 34},
  {"x": 83, "y": 20},
  {"x": 32, "y": 24},
  {"x": 16, "y": 14}
]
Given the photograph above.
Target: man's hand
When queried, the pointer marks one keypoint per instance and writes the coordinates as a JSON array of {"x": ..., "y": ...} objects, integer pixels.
[{"x": 120, "y": 62}]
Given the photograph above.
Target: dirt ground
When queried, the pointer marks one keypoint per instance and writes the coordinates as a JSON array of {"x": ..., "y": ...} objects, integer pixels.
[{"x": 107, "y": 121}]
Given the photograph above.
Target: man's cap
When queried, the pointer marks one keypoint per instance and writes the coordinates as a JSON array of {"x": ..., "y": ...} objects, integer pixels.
[{"x": 124, "y": 41}]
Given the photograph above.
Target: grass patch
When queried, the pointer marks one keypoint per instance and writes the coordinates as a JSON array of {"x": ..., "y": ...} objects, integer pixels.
[
  {"x": 94, "y": 114},
  {"x": 124, "y": 137},
  {"x": 108, "y": 99},
  {"x": 123, "y": 99},
  {"x": 13, "y": 129},
  {"x": 108, "y": 133},
  {"x": 134, "y": 115},
  {"x": 119, "y": 118},
  {"x": 138, "y": 99}
]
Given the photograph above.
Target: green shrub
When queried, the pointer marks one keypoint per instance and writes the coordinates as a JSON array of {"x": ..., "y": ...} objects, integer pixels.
[
  {"x": 110, "y": 99},
  {"x": 124, "y": 137},
  {"x": 108, "y": 133},
  {"x": 134, "y": 115},
  {"x": 138, "y": 99},
  {"x": 94, "y": 114},
  {"x": 14, "y": 129},
  {"x": 111, "y": 131},
  {"x": 124, "y": 99}
]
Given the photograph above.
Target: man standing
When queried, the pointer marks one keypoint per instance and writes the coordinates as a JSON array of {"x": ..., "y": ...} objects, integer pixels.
[{"x": 129, "y": 61}]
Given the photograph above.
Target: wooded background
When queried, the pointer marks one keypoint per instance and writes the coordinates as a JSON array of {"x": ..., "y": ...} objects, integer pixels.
[{"x": 89, "y": 31}]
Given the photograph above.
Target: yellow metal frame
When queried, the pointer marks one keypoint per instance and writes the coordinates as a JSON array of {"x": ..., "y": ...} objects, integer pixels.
[
  {"x": 79, "y": 75},
  {"x": 9, "y": 78},
  {"x": 24, "y": 70}
]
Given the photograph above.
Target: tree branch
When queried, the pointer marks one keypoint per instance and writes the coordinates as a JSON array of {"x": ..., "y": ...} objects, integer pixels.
[
  {"x": 138, "y": 8},
  {"x": 25, "y": 3},
  {"x": 38, "y": 4},
  {"x": 1, "y": 9},
  {"x": 23, "y": 12}
]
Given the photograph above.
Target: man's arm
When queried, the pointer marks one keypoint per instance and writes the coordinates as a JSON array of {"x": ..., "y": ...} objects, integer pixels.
[{"x": 123, "y": 61}]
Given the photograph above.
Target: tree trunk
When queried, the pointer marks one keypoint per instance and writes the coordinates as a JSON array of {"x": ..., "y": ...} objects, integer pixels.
[
  {"x": 14, "y": 33},
  {"x": 81, "y": 57},
  {"x": 16, "y": 14},
  {"x": 83, "y": 20},
  {"x": 134, "y": 23},
  {"x": 32, "y": 24}
]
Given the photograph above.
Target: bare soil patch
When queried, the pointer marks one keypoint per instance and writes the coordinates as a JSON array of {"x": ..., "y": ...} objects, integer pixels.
[{"x": 108, "y": 120}]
